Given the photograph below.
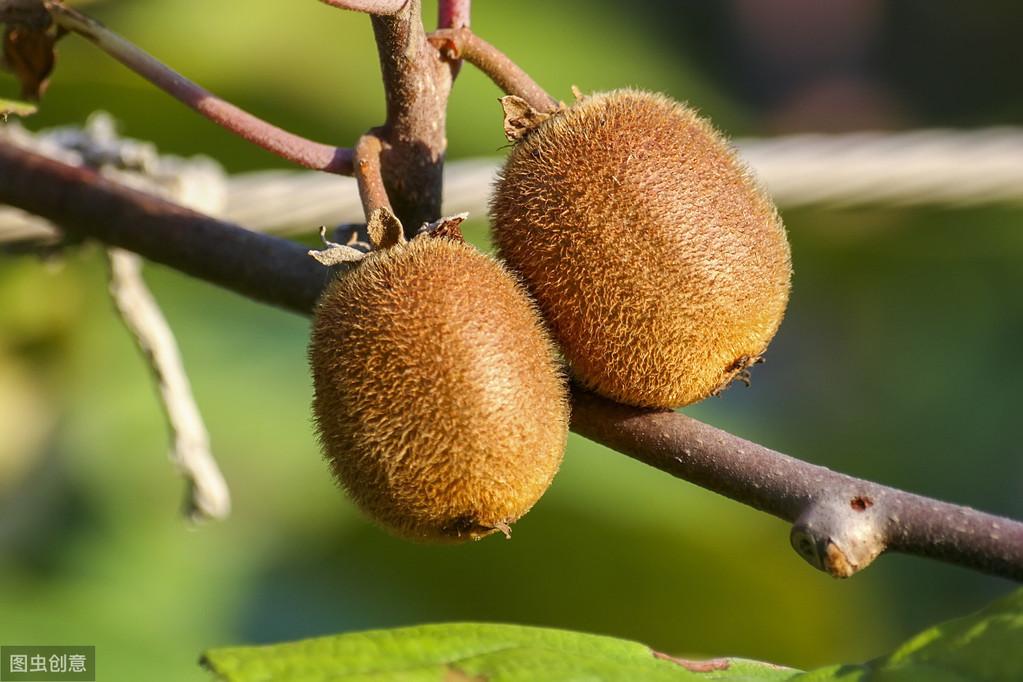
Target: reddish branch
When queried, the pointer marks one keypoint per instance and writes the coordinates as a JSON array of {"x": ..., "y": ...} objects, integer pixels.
[
  {"x": 506, "y": 74},
  {"x": 287, "y": 145},
  {"x": 841, "y": 523},
  {"x": 453, "y": 13}
]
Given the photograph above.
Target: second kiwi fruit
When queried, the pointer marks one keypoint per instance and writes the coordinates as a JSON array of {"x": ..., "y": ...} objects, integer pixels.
[{"x": 659, "y": 263}]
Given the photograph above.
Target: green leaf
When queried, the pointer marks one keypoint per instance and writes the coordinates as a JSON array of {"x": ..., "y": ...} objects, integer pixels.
[
  {"x": 470, "y": 652},
  {"x": 984, "y": 647},
  {"x": 11, "y": 106}
]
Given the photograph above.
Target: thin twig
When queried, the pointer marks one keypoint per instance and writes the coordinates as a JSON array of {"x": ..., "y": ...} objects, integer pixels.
[
  {"x": 207, "y": 496},
  {"x": 382, "y": 7},
  {"x": 842, "y": 523},
  {"x": 462, "y": 43},
  {"x": 287, "y": 145}
]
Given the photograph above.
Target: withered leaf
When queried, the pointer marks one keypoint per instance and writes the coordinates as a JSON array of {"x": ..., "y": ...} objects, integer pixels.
[
  {"x": 519, "y": 117},
  {"x": 447, "y": 227}
]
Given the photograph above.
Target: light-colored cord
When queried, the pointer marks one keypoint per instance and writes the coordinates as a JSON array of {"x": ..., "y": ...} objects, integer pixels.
[{"x": 945, "y": 168}]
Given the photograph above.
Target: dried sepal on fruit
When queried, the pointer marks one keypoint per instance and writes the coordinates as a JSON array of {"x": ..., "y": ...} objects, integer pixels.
[
  {"x": 659, "y": 263},
  {"x": 439, "y": 399}
]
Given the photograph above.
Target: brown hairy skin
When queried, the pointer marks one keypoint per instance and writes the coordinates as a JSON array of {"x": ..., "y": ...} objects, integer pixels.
[
  {"x": 660, "y": 265},
  {"x": 439, "y": 400}
]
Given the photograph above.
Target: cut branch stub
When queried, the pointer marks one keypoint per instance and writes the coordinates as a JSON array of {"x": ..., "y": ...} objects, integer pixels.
[
  {"x": 384, "y": 228},
  {"x": 838, "y": 536},
  {"x": 519, "y": 117}
]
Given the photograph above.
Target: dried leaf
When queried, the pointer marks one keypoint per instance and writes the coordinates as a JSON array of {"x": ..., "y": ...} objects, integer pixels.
[
  {"x": 519, "y": 117},
  {"x": 336, "y": 255},
  {"x": 446, "y": 227}
]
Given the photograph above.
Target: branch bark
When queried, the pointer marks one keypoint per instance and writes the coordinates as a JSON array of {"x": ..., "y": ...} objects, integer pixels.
[
  {"x": 840, "y": 523},
  {"x": 369, "y": 6},
  {"x": 83, "y": 203},
  {"x": 287, "y": 145},
  {"x": 454, "y": 13},
  {"x": 417, "y": 82},
  {"x": 368, "y": 174}
]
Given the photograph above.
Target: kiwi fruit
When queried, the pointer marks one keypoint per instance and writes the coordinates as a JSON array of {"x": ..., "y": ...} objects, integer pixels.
[
  {"x": 661, "y": 266},
  {"x": 439, "y": 398}
]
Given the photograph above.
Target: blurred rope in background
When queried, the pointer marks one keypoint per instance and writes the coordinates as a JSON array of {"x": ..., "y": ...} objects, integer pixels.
[{"x": 920, "y": 167}]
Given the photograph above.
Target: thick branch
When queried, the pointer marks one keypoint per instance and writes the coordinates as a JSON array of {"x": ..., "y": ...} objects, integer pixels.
[
  {"x": 287, "y": 145},
  {"x": 841, "y": 523},
  {"x": 417, "y": 83},
  {"x": 506, "y": 74},
  {"x": 83, "y": 203}
]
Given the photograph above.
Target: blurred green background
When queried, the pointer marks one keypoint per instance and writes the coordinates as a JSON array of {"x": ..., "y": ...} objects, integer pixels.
[{"x": 898, "y": 360}]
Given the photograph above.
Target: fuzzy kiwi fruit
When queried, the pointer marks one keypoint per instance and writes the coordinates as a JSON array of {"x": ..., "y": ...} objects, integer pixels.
[
  {"x": 660, "y": 265},
  {"x": 439, "y": 399}
]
